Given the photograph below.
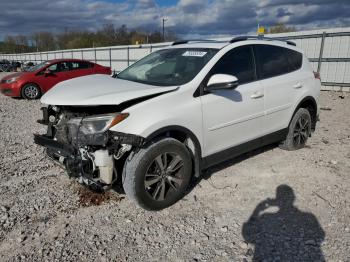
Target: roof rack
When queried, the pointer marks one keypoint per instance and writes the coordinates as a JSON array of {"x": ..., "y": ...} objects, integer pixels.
[
  {"x": 244, "y": 38},
  {"x": 234, "y": 40},
  {"x": 181, "y": 42}
]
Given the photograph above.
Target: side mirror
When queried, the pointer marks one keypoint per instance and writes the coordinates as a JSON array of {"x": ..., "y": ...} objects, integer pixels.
[
  {"x": 221, "y": 81},
  {"x": 47, "y": 72}
]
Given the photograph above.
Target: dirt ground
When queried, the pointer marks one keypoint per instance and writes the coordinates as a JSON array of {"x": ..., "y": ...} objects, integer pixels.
[{"x": 268, "y": 205}]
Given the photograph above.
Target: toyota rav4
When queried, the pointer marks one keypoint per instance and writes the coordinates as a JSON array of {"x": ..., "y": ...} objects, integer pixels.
[{"x": 177, "y": 112}]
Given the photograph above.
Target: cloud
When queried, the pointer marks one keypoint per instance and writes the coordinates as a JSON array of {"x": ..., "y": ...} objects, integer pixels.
[
  {"x": 186, "y": 17},
  {"x": 192, "y": 6},
  {"x": 282, "y": 12}
]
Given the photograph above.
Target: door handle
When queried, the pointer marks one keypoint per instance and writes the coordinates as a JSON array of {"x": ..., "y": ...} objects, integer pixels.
[
  {"x": 297, "y": 86},
  {"x": 257, "y": 95}
]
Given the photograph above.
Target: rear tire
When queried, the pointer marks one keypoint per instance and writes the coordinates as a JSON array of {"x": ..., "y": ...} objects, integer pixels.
[
  {"x": 157, "y": 176},
  {"x": 299, "y": 131},
  {"x": 31, "y": 91}
]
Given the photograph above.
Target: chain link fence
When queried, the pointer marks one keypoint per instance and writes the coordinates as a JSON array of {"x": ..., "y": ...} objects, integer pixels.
[{"x": 328, "y": 51}]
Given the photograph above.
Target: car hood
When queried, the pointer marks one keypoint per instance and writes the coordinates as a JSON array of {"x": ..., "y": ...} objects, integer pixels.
[
  {"x": 14, "y": 75},
  {"x": 99, "y": 90}
]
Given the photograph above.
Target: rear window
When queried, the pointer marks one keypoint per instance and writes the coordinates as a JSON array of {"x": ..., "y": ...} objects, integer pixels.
[{"x": 275, "y": 61}]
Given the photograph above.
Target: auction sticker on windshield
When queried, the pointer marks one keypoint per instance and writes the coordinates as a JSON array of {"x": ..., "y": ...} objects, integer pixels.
[{"x": 194, "y": 53}]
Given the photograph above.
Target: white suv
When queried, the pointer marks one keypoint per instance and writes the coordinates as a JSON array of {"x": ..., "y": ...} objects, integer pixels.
[{"x": 179, "y": 111}]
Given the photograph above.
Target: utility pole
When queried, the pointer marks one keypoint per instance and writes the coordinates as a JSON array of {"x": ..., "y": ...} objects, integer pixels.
[{"x": 163, "y": 29}]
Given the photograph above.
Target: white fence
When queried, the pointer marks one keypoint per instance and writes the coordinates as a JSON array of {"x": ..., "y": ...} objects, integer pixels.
[
  {"x": 116, "y": 57},
  {"x": 328, "y": 51}
]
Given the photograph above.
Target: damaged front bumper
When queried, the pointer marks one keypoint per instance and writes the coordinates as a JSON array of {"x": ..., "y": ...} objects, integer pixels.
[
  {"x": 93, "y": 159},
  {"x": 60, "y": 148}
]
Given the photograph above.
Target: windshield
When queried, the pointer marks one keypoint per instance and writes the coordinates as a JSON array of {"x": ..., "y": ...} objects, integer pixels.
[
  {"x": 37, "y": 67},
  {"x": 169, "y": 67}
]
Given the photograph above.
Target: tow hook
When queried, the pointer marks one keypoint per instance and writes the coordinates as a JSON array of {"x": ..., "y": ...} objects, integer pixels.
[{"x": 124, "y": 148}]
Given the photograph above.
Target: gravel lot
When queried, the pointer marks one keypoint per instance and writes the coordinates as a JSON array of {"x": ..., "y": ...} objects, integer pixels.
[{"x": 46, "y": 216}]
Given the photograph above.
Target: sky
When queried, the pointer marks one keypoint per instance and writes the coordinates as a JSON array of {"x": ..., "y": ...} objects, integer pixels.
[{"x": 183, "y": 17}]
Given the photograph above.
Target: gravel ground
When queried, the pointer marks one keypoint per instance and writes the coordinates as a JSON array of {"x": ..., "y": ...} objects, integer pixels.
[{"x": 232, "y": 214}]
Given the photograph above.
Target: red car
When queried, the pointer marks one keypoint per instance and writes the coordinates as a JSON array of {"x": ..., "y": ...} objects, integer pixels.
[{"x": 38, "y": 79}]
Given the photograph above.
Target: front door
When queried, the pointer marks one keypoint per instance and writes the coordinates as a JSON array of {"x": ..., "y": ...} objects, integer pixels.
[
  {"x": 233, "y": 116},
  {"x": 58, "y": 73}
]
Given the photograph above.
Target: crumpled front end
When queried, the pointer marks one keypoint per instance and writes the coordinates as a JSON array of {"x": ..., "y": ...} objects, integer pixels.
[{"x": 79, "y": 139}]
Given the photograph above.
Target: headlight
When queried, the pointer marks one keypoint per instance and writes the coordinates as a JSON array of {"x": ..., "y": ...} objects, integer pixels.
[
  {"x": 98, "y": 123},
  {"x": 11, "y": 80}
]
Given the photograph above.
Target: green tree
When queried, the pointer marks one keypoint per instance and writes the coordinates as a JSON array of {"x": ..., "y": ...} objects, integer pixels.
[
  {"x": 123, "y": 36},
  {"x": 281, "y": 28},
  {"x": 107, "y": 35},
  {"x": 44, "y": 41}
]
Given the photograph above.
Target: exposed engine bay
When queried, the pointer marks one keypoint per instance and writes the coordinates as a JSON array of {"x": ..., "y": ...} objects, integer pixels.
[{"x": 79, "y": 139}]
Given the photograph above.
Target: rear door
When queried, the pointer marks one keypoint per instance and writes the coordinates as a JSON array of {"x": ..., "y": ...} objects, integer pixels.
[
  {"x": 233, "y": 116},
  {"x": 80, "y": 68},
  {"x": 279, "y": 74}
]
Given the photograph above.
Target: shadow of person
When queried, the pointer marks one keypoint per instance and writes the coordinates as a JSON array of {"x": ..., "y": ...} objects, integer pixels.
[{"x": 286, "y": 235}]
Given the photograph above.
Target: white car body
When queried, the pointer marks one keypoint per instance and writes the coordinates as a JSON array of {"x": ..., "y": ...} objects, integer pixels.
[
  {"x": 179, "y": 111},
  {"x": 219, "y": 120}
]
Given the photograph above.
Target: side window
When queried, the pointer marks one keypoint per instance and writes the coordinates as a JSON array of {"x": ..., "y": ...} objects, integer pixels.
[
  {"x": 59, "y": 67},
  {"x": 74, "y": 65},
  {"x": 53, "y": 68},
  {"x": 62, "y": 67},
  {"x": 295, "y": 58},
  {"x": 80, "y": 65},
  {"x": 275, "y": 61},
  {"x": 238, "y": 62}
]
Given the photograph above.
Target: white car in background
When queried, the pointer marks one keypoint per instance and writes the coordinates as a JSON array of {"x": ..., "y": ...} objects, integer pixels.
[{"x": 179, "y": 111}]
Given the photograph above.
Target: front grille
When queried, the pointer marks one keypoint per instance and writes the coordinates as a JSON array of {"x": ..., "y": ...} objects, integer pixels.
[{"x": 6, "y": 91}]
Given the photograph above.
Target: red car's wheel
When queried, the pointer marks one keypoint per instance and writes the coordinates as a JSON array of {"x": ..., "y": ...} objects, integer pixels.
[{"x": 31, "y": 91}]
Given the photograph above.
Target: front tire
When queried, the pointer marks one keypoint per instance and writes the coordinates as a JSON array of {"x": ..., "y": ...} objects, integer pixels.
[
  {"x": 158, "y": 175},
  {"x": 299, "y": 131},
  {"x": 31, "y": 91}
]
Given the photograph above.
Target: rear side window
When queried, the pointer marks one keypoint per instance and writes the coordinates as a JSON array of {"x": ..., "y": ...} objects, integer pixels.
[
  {"x": 238, "y": 62},
  {"x": 80, "y": 65},
  {"x": 275, "y": 61},
  {"x": 295, "y": 58}
]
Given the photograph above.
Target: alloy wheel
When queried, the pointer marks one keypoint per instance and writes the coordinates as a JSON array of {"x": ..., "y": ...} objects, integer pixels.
[
  {"x": 31, "y": 92},
  {"x": 301, "y": 131},
  {"x": 164, "y": 176}
]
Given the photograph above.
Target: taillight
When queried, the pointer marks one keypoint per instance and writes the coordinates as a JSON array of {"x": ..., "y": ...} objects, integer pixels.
[{"x": 317, "y": 76}]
